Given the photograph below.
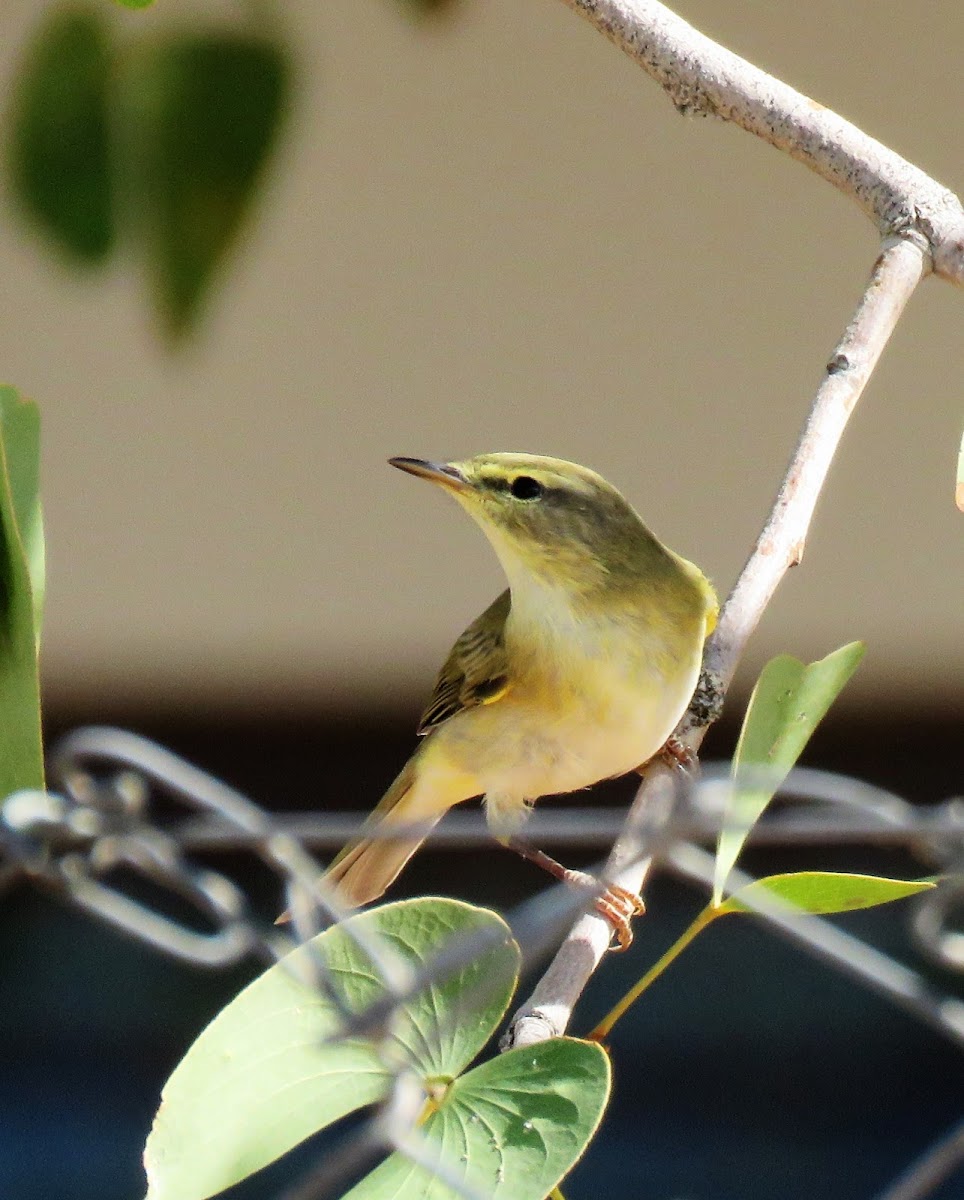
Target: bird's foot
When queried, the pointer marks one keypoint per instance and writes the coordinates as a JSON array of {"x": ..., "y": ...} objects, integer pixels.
[
  {"x": 617, "y": 904},
  {"x": 677, "y": 754},
  {"x": 674, "y": 753}
]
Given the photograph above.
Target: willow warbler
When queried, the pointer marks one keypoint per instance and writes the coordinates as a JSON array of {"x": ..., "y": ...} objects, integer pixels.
[{"x": 578, "y": 672}]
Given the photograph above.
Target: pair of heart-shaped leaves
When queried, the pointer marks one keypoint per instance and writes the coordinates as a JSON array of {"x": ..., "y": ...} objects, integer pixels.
[
  {"x": 163, "y": 140},
  {"x": 276, "y": 1066}
]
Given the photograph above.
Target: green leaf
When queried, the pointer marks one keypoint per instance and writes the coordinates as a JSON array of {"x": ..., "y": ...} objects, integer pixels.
[
  {"x": 511, "y": 1128},
  {"x": 270, "y": 1070},
  {"x": 823, "y": 892},
  {"x": 21, "y": 593},
  {"x": 135, "y": 3},
  {"x": 21, "y": 425},
  {"x": 206, "y": 112},
  {"x": 58, "y": 153},
  {"x": 787, "y": 704}
]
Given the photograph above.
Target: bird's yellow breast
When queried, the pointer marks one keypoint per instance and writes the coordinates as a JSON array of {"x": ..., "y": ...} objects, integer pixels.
[{"x": 588, "y": 698}]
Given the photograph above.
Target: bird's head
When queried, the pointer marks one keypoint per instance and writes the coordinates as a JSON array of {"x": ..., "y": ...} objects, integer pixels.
[{"x": 549, "y": 518}]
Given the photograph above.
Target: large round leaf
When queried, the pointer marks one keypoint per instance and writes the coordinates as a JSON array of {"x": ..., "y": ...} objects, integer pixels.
[
  {"x": 511, "y": 1129},
  {"x": 272, "y": 1068}
]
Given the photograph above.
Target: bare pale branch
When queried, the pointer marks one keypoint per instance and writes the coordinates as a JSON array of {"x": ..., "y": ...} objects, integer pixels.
[{"x": 922, "y": 224}]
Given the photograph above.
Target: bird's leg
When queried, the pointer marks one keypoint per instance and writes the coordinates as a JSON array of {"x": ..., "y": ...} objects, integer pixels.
[{"x": 617, "y": 904}]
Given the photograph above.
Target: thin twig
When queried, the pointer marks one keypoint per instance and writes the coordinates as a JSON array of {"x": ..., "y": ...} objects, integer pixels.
[
  {"x": 899, "y": 268},
  {"x": 704, "y": 78}
]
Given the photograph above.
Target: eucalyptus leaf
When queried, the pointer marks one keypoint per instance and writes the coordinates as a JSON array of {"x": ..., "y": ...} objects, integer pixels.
[
  {"x": 272, "y": 1068},
  {"x": 822, "y": 892},
  {"x": 58, "y": 152},
  {"x": 511, "y": 1128},
  {"x": 21, "y": 556},
  {"x": 787, "y": 703}
]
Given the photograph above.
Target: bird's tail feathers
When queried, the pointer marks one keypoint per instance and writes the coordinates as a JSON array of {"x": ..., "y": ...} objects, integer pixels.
[{"x": 367, "y": 865}]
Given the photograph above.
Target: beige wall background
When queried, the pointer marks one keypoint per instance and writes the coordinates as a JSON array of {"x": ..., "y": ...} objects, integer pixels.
[{"x": 492, "y": 231}]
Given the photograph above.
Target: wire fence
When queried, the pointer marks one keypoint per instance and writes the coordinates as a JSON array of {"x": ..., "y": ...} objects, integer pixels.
[{"x": 108, "y": 816}]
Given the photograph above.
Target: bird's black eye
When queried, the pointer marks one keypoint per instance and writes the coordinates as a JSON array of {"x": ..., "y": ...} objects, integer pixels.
[{"x": 524, "y": 487}]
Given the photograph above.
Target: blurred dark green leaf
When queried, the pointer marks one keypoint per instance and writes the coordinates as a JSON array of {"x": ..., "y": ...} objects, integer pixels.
[
  {"x": 57, "y": 140},
  {"x": 135, "y": 3},
  {"x": 427, "y": 6},
  {"x": 21, "y": 593},
  {"x": 209, "y": 109}
]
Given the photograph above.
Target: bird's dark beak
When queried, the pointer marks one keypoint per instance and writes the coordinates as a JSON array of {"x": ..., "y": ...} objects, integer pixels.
[{"x": 443, "y": 473}]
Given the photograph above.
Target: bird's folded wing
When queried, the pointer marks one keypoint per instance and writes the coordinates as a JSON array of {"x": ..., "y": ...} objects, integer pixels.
[{"x": 476, "y": 672}]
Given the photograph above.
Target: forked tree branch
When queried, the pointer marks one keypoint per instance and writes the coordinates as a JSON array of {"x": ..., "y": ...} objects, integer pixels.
[
  {"x": 701, "y": 77},
  {"x": 923, "y": 230}
]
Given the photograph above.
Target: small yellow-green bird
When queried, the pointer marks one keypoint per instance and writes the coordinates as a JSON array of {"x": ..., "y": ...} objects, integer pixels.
[{"x": 579, "y": 671}]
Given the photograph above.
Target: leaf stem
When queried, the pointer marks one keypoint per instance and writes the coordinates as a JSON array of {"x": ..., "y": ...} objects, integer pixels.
[{"x": 602, "y": 1030}]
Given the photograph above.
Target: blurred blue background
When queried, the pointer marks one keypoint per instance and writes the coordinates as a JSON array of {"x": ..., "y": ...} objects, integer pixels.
[{"x": 749, "y": 1070}]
